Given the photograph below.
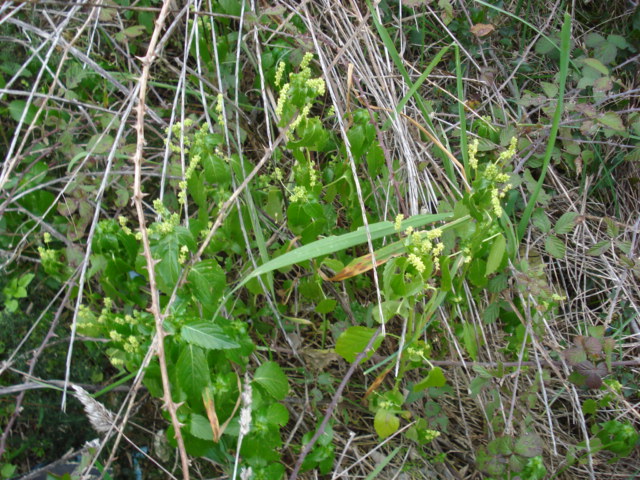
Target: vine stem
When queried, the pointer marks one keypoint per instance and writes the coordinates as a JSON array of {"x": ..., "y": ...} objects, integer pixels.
[{"x": 146, "y": 62}]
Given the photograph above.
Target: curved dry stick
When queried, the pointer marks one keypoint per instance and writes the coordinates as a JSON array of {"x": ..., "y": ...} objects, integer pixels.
[{"x": 146, "y": 61}]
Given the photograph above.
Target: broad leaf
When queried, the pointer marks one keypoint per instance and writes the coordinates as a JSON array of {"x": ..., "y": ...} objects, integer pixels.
[
  {"x": 270, "y": 376},
  {"x": 192, "y": 371},
  {"x": 207, "y": 335},
  {"x": 435, "y": 378},
  {"x": 554, "y": 246},
  {"x": 496, "y": 254},
  {"x": 386, "y": 423},
  {"x": 565, "y": 223},
  {"x": 354, "y": 340},
  {"x": 207, "y": 281}
]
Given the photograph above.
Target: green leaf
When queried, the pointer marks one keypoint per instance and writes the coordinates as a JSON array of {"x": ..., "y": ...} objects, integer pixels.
[
  {"x": 550, "y": 89},
  {"x": 270, "y": 376},
  {"x": 540, "y": 220},
  {"x": 207, "y": 281},
  {"x": 565, "y": 223},
  {"x": 496, "y": 254},
  {"x": 207, "y": 335},
  {"x": 17, "y": 107},
  {"x": 599, "y": 248},
  {"x": 167, "y": 250},
  {"x": 354, "y": 340},
  {"x": 612, "y": 227},
  {"x": 435, "y": 378},
  {"x": 333, "y": 244},
  {"x": 386, "y": 423},
  {"x": 613, "y": 121},
  {"x": 554, "y": 246},
  {"x": 326, "y": 306},
  {"x": 477, "y": 272},
  {"x": 277, "y": 414},
  {"x": 192, "y": 371},
  {"x": 528, "y": 445},
  {"x": 470, "y": 340},
  {"x": 596, "y": 65},
  {"x": 200, "y": 427},
  {"x": 589, "y": 406}
]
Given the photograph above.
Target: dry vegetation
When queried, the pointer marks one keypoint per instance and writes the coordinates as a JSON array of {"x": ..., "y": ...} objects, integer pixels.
[{"x": 90, "y": 94}]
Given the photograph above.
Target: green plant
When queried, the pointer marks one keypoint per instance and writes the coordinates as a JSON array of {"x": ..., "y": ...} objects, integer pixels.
[{"x": 16, "y": 289}]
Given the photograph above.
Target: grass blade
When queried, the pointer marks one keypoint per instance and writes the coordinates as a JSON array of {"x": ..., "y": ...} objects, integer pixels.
[{"x": 565, "y": 52}]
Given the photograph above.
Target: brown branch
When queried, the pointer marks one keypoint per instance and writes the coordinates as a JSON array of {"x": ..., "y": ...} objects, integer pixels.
[
  {"x": 146, "y": 61},
  {"x": 332, "y": 406}
]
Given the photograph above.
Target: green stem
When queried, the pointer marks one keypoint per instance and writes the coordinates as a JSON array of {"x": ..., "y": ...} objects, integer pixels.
[{"x": 564, "y": 68}]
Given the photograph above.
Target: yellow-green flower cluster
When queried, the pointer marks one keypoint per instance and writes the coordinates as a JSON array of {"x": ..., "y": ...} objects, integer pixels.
[
  {"x": 220, "y": 109},
  {"x": 509, "y": 152},
  {"x": 430, "y": 435},
  {"x": 417, "y": 262},
  {"x": 303, "y": 116},
  {"x": 168, "y": 224},
  {"x": 193, "y": 164},
  {"x": 123, "y": 224},
  {"x": 279, "y": 73},
  {"x": 421, "y": 244},
  {"x": 278, "y": 175},
  {"x": 317, "y": 84},
  {"x": 132, "y": 344},
  {"x": 313, "y": 177},
  {"x": 46, "y": 237},
  {"x": 299, "y": 194},
  {"x": 282, "y": 99},
  {"x": 176, "y": 131},
  {"x": 306, "y": 60},
  {"x": 397, "y": 224},
  {"x": 473, "y": 151},
  {"x": 47, "y": 255},
  {"x": 182, "y": 257}
]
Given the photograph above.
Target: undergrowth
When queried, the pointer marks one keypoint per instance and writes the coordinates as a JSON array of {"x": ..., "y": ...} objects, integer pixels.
[{"x": 320, "y": 240}]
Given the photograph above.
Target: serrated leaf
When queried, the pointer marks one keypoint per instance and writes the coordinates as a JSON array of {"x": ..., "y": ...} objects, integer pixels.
[
  {"x": 574, "y": 356},
  {"x": 528, "y": 445},
  {"x": 200, "y": 428},
  {"x": 354, "y": 340},
  {"x": 277, "y": 414},
  {"x": 16, "y": 109},
  {"x": 599, "y": 248},
  {"x": 435, "y": 378},
  {"x": 207, "y": 335},
  {"x": 592, "y": 345},
  {"x": 167, "y": 251},
  {"x": 589, "y": 406},
  {"x": 270, "y": 376},
  {"x": 565, "y": 223},
  {"x": 613, "y": 121},
  {"x": 385, "y": 423},
  {"x": 496, "y": 254},
  {"x": 554, "y": 246},
  {"x": 540, "y": 220},
  {"x": 612, "y": 227},
  {"x": 207, "y": 281},
  {"x": 192, "y": 371}
]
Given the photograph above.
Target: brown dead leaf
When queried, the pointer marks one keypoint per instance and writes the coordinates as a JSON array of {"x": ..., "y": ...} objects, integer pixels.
[
  {"x": 357, "y": 267},
  {"x": 482, "y": 29}
]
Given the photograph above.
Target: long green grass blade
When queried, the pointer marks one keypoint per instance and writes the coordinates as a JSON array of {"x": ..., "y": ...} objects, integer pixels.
[
  {"x": 565, "y": 52},
  {"x": 332, "y": 244}
]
